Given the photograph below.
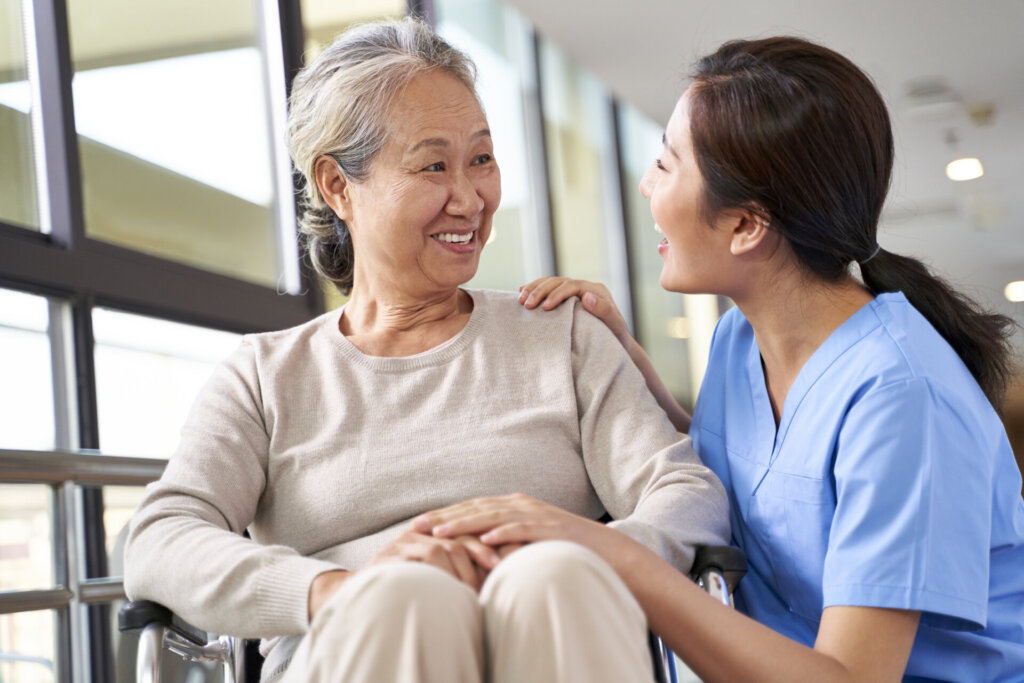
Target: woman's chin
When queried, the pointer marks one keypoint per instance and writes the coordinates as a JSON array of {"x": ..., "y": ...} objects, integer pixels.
[{"x": 668, "y": 281}]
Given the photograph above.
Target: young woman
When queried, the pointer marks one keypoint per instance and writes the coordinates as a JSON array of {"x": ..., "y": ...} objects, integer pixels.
[{"x": 851, "y": 420}]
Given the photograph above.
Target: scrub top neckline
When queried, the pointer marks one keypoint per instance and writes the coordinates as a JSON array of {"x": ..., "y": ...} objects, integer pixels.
[{"x": 842, "y": 338}]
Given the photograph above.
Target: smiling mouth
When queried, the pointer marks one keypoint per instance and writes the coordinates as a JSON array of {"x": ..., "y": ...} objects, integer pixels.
[{"x": 455, "y": 237}]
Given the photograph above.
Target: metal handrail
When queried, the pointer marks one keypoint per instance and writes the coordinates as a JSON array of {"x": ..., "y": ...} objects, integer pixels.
[
  {"x": 61, "y": 470},
  {"x": 90, "y": 591},
  {"x": 82, "y": 467},
  {"x": 28, "y": 601}
]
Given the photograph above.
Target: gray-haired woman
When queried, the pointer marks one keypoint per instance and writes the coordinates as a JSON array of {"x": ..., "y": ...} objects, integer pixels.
[{"x": 326, "y": 440}]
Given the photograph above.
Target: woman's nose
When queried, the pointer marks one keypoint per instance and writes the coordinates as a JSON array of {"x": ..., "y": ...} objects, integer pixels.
[
  {"x": 465, "y": 199},
  {"x": 647, "y": 183}
]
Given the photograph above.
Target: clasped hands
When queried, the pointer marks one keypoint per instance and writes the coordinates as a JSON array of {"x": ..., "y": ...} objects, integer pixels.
[
  {"x": 469, "y": 539},
  {"x": 477, "y": 534}
]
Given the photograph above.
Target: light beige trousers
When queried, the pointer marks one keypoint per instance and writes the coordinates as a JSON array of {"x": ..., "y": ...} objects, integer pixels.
[{"x": 551, "y": 611}]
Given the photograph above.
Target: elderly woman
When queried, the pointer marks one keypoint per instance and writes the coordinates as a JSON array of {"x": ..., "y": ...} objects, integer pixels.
[{"x": 326, "y": 440}]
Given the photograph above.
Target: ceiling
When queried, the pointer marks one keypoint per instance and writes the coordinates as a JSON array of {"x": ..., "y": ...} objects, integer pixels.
[{"x": 970, "y": 232}]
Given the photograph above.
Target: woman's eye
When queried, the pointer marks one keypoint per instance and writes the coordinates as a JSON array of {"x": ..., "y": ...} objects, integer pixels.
[
  {"x": 483, "y": 159},
  {"x": 436, "y": 167},
  {"x": 661, "y": 166}
]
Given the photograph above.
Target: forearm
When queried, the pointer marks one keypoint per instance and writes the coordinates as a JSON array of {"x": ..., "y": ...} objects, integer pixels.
[
  {"x": 721, "y": 644},
  {"x": 676, "y": 414},
  {"x": 217, "y": 579}
]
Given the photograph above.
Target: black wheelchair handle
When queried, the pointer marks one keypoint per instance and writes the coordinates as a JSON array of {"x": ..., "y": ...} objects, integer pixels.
[
  {"x": 727, "y": 559},
  {"x": 139, "y": 614}
]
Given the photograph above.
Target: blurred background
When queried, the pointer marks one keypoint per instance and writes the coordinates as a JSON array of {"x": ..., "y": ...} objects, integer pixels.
[{"x": 147, "y": 220}]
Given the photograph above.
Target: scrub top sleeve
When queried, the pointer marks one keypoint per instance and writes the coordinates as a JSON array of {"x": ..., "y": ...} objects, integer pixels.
[{"x": 900, "y": 537}]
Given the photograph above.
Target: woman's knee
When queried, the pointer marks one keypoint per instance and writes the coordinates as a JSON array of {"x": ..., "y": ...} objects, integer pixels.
[
  {"x": 393, "y": 590},
  {"x": 561, "y": 567}
]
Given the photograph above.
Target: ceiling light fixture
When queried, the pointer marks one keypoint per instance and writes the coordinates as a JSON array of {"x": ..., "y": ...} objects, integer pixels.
[
  {"x": 966, "y": 168},
  {"x": 1015, "y": 291}
]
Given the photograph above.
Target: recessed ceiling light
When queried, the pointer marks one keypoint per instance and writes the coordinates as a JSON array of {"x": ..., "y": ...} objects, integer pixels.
[
  {"x": 964, "y": 169},
  {"x": 1015, "y": 291}
]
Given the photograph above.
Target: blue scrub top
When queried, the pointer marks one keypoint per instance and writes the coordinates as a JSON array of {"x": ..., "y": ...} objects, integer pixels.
[{"x": 889, "y": 483}]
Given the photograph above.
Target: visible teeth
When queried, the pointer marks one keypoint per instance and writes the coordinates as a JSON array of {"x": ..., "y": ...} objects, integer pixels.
[
  {"x": 658, "y": 229},
  {"x": 454, "y": 238}
]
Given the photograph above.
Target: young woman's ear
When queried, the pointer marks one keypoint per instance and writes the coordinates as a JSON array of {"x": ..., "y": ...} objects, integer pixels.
[
  {"x": 750, "y": 229},
  {"x": 334, "y": 186}
]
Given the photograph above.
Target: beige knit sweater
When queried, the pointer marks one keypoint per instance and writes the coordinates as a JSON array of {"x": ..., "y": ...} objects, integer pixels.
[{"x": 324, "y": 454}]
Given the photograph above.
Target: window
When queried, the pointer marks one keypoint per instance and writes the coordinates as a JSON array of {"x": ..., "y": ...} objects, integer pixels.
[
  {"x": 148, "y": 373},
  {"x": 17, "y": 172},
  {"x": 323, "y": 20},
  {"x": 173, "y": 132},
  {"x": 26, "y": 404},
  {"x": 154, "y": 129},
  {"x": 27, "y": 647},
  {"x": 25, "y": 554},
  {"x": 586, "y": 208}
]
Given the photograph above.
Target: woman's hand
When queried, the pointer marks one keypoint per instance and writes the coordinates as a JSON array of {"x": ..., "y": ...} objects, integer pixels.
[
  {"x": 465, "y": 557},
  {"x": 548, "y": 292},
  {"x": 514, "y": 519}
]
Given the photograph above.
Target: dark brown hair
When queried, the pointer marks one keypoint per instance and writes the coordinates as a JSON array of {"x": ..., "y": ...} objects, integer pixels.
[{"x": 798, "y": 134}]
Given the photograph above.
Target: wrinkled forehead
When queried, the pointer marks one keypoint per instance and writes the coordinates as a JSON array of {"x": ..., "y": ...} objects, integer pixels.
[{"x": 433, "y": 103}]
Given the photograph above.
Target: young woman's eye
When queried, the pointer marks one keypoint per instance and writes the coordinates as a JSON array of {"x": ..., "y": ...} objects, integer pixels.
[
  {"x": 435, "y": 167},
  {"x": 661, "y": 166}
]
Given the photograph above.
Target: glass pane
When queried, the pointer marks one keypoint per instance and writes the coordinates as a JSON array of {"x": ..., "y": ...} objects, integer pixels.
[
  {"x": 119, "y": 502},
  {"x": 662, "y": 327},
  {"x": 148, "y": 372},
  {"x": 26, "y": 554},
  {"x": 172, "y": 116},
  {"x": 26, "y": 414},
  {"x": 577, "y": 131},
  {"x": 323, "y": 20},
  {"x": 17, "y": 172},
  {"x": 497, "y": 39},
  {"x": 27, "y": 647}
]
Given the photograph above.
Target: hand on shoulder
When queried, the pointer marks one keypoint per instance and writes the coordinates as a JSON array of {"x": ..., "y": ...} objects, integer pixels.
[{"x": 548, "y": 292}]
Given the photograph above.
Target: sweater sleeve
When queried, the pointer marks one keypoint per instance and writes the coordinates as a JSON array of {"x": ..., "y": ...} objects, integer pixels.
[
  {"x": 646, "y": 474},
  {"x": 185, "y": 547}
]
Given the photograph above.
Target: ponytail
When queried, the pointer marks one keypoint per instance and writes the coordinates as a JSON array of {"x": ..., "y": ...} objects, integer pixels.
[{"x": 981, "y": 339}]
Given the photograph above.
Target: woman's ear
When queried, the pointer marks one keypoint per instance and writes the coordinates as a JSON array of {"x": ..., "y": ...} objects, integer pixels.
[
  {"x": 334, "y": 186},
  {"x": 749, "y": 231}
]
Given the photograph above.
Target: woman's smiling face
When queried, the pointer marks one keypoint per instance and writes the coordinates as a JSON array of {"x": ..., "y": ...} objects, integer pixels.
[
  {"x": 421, "y": 218},
  {"x": 694, "y": 253}
]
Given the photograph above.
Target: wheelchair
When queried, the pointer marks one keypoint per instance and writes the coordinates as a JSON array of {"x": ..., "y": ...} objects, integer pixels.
[{"x": 716, "y": 569}]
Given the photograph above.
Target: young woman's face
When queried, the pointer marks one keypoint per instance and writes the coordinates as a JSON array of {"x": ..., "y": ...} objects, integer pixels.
[
  {"x": 422, "y": 217},
  {"x": 694, "y": 253}
]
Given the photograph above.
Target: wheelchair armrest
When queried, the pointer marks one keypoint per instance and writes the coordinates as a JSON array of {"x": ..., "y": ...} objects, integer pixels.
[
  {"x": 728, "y": 560},
  {"x": 138, "y": 614}
]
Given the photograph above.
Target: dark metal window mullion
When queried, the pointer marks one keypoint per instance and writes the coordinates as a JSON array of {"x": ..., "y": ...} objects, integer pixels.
[
  {"x": 101, "y": 659},
  {"x": 632, "y": 269},
  {"x": 53, "y": 69},
  {"x": 64, "y": 220},
  {"x": 538, "y": 77}
]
